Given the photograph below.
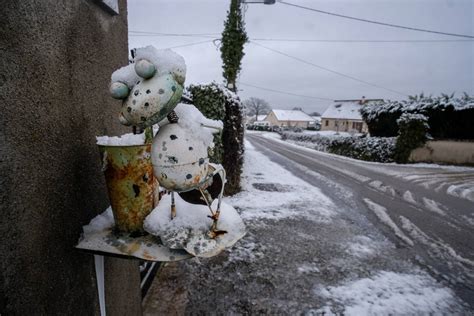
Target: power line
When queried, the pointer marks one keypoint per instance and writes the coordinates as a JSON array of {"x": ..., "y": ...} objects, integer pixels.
[
  {"x": 356, "y": 41},
  {"x": 376, "y": 22},
  {"x": 284, "y": 92},
  {"x": 143, "y": 33},
  {"x": 173, "y": 34},
  {"x": 329, "y": 70},
  {"x": 189, "y": 44}
]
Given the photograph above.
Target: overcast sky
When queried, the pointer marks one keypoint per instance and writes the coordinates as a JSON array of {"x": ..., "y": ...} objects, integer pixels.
[{"x": 408, "y": 68}]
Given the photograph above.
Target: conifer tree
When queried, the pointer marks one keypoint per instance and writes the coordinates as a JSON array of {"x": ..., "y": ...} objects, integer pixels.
[{"x": 233, "y": 41}]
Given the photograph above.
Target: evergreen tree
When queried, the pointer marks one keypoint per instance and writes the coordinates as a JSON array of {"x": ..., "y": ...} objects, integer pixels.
[{"x": 233, "y": 41}]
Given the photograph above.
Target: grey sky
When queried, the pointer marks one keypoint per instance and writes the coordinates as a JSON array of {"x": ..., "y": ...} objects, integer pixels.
[{"x": 410, "y": 68}]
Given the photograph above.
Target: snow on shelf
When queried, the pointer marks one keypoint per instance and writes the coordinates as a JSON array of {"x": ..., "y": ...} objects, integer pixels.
[
  {"x": 99, "y": 238},
  {"x": 188, "y": 230},
  {"x": 123, "y": 140}
]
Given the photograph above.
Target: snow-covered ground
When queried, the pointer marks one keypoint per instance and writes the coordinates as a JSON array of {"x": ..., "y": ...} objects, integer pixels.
[
  {"x": 272, "y": 192},
  {"x": 304, "y": 254}
]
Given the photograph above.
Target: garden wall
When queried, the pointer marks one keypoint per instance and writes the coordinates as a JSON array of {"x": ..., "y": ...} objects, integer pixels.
[{"x": 445, "y": 151}]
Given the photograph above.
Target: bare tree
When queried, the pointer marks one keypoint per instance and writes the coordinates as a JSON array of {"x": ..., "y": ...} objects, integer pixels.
[{"x": 256, "y": 106}]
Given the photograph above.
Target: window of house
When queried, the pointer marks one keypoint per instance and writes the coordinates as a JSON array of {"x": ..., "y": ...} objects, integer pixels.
[
  {"x": 357, "y": 126},
  {"x": 327, "y": 122}
]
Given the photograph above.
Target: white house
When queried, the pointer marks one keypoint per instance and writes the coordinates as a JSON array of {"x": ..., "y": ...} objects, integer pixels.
[
  {"x": 289, "y": 118},
  {"x": 250, "y": 119},
  {"x": 344, "y": 116}
]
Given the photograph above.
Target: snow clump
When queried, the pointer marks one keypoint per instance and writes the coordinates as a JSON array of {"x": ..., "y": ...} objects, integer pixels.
[{"x": 123, "y": 140}]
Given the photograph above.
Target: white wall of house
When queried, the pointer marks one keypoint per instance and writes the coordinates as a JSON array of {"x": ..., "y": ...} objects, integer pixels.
[
  {"x": 341, "y": 125},
  {"x": 275, "y": 122}
]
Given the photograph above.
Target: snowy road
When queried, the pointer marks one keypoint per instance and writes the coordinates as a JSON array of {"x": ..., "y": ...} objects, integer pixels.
[
  {"x": 328, "y": 234},
  {"x": 428, "y": 209}
]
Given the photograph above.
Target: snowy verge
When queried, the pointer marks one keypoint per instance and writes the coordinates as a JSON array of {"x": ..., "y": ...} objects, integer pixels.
[{"x": 266, "y": 196}]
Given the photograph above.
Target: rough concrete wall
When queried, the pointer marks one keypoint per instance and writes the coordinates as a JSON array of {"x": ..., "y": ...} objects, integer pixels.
[
  {"x": 56, "y": 58},
  {"x": 444, "y": 151}
]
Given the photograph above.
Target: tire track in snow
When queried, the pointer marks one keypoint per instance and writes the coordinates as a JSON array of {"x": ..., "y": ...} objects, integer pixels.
[
  {"x": 441, "y": 248},
  {"x": 381, "y": 213}
]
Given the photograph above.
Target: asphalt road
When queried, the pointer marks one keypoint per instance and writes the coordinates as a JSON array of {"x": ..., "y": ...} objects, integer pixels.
[
  {"x": 413, "y": 206},
  {"x": 351, "y": 238}
]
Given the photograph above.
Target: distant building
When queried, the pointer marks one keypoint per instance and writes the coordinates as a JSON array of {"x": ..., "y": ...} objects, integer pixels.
[
  {"x": 316, "y": 125},
  {"x": 250, "y": 119},
  {"x": 289, "y": 118},
  {"x": 344, "y": 116}
]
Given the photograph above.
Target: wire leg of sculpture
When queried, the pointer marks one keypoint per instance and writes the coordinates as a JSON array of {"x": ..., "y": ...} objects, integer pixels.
[
  {"x": 214, "y": 232},
  {"x": 173, "y": 206}
]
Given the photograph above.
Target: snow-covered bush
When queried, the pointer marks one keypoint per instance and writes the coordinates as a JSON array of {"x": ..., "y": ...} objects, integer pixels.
[
  {"x": 219, "y": 103},
  {"x": 448, "y": 116},
  {"x": 380, "y": 149},
  {"x": 210, "y": 100},
  {"x": 413, "y": 134},
  {"x": 233, "y": 141}
]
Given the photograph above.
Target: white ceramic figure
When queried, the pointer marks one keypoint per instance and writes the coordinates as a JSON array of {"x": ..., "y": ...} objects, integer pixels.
[
  {"x": 180, "y": 160},
  {"x": 150, "y": 88}
]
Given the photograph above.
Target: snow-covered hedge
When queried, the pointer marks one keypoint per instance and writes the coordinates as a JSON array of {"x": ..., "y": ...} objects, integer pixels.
[
  {"x": 219, "y": 103},
  {"x": 448, "y": 116},
  {"x": 413, "y": 134},
  {"x": 380, "y": 149},
  {"x": 210, "y": 100}
]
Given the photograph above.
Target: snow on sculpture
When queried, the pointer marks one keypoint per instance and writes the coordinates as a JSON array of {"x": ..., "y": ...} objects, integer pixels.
[{"x": 151, "y": 89}]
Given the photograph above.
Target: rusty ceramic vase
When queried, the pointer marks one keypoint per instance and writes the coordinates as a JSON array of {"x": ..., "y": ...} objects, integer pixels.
[{"x": 130, "y": 182}]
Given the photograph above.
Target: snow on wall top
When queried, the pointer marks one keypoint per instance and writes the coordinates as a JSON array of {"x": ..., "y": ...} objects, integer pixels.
[
  {"x": 343, "y": 110},
  {"x": 290, "y": 115}
]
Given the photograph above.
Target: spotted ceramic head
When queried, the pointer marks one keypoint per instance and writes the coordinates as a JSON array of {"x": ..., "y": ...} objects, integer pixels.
[
  {"x": 150, "y": 88},
  {"x": 180, "y": 160}
]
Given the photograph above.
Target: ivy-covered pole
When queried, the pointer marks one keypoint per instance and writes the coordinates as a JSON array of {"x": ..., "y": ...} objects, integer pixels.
[
  {"x": 232, "y": 52},
  {"x": 234, "y": 38}
]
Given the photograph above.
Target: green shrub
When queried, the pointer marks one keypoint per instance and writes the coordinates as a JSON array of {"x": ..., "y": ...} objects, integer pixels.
[
  {"x": 413, "y": 134},
  {"x": 379, "y": 149},
  {"x": 210, "y": 100},
  {"x": 219, "y": 103}
]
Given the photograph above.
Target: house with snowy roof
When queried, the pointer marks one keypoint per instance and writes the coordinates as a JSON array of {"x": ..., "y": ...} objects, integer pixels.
[
  {"x": 289, "y": 118},
  {"x": 251, "y": 119},
  {"x": 344, "y": 116}
]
